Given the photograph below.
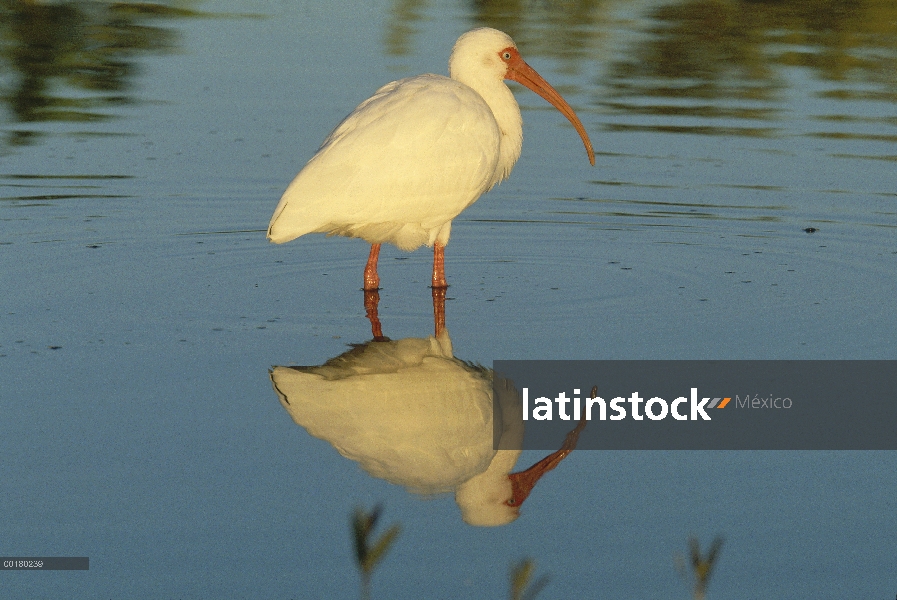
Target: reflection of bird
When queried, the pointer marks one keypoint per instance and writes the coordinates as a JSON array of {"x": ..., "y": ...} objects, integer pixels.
[
  {"x": 412, "y": 414},
  {"x": 409, "y": 159}
]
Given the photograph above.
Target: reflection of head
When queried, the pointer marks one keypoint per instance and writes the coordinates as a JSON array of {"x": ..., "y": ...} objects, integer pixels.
[
  {"x": 486, "y": 499},
  {"x": 483, "y": 499}
]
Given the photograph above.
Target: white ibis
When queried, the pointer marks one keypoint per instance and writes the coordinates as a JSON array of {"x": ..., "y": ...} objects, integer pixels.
[
  {"x": 419, "y": 151},
  {"x": 410, "y": 413}
]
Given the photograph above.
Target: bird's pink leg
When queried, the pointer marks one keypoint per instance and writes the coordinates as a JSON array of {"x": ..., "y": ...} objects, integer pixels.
[
  {"x": 371, "y": 279},
  {"x": 439, "y": 309},
  {"x": 439, "y": 281},
  {"x": 371, "y": 300}
]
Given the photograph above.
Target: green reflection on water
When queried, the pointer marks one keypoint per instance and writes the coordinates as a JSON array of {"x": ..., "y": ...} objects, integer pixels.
[
  {"x": 74, "y": 61},
  {"x": 721, "y": 49}
]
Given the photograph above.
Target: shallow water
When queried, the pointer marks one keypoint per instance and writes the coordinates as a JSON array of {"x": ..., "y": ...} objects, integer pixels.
[{"x": 143, "y": 308}]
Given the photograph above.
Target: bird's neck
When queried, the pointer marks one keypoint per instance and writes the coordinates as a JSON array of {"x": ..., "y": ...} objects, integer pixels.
[
  {"x": 507, "y": 115},
  {"x": 510, "y": 123}
]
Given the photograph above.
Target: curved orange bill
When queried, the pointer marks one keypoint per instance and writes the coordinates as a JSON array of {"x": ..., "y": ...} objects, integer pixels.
[
  {"x": 524, "y": 74},
  {"x": 522, "y": 483}
]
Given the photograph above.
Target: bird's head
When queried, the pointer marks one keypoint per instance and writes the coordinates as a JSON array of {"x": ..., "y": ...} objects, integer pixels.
[{"x": 487, "y": 55}]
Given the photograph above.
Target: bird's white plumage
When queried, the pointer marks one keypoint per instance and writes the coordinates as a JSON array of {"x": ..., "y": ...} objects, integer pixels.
[
  {"x": 405, "y": 409},
  {"x": 409, "y": 159},
  {"x": 410, "y": 413}
]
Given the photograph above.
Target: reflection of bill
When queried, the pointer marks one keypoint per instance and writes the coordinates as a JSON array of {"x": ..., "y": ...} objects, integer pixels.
[{"x": 410, "y": 413}]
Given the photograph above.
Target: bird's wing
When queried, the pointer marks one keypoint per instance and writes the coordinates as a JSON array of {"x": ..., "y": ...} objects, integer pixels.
[{"x": 419, "y": 151}]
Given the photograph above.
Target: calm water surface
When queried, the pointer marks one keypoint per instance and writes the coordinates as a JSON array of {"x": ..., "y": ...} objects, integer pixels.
[{"x": 743, "y": 206}]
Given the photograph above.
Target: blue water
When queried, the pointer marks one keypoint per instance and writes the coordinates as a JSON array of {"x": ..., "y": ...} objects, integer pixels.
[{"x": 143, "y": 306}]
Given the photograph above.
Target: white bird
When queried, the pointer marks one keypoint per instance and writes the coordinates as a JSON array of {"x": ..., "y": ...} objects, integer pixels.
[
  {"x": 410, "y": 413},
  {"x": 419, "y": 151}
]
